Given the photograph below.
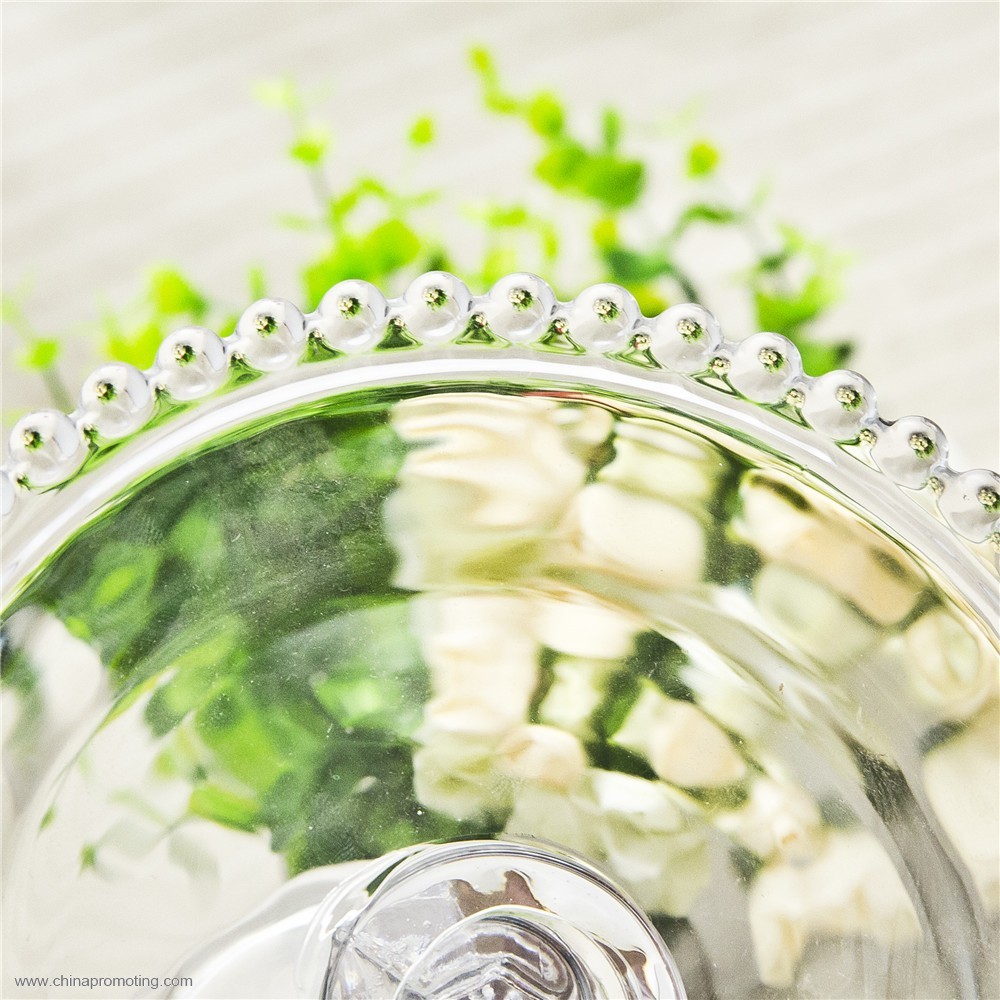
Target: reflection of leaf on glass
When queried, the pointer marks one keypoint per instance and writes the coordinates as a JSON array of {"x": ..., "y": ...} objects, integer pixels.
[{"x": 281, "y": 712}]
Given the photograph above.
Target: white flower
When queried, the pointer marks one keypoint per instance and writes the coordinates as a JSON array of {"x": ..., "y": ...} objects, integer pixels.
[
  {"x": 487, "y": 478},
  {"x": 471, "y": 717},
  {"x": 577, "y": 688},
  {"x": 644, "y": 539},
  {"x": 576, "y": 624},
  {"x": 661, "y": 462},
  {"x": 777, "y": 818},
  {"x": 962, "y": 779},
  {"x": 653, "y": 838},
  {"x": 950, "y": 668},
  {"x": 817, "y": 539},
  {"x": 682, "y": 744},
  {"x": 850, "y": 888},
  {"x": 633, "y": 521},
  {"x": 723, "y": 693},
  {"x": 483, "y": 662},
  {"x": 810, "y": 615},
  {"x": 646, "y": 835},
  {"x": 454, "y": 773},
  {"x": 543, "y": 755},
  {"x": 466, "y": 767},
  {"x": 480, "y": 650}
]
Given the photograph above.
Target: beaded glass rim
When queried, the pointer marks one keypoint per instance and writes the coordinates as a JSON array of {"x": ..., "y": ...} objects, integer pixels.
[{"x": 48, "y": 448}]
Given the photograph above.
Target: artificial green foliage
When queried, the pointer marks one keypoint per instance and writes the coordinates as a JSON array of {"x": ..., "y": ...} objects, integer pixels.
[
  {"x": 422, "y": 132},
  {"x": 39, "y": 353},
  {"x": 372, "y": 227},
  {"x": 168, "y": 300},
  {"x": 702, "y": 159},
  {"x": 310, "y": 146}
]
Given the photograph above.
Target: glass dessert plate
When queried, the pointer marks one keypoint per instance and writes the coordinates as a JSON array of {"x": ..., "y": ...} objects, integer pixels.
[{"x": 497, "y": 647}]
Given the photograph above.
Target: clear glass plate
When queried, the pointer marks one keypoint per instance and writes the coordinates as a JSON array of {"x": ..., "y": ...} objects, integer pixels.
[{"x": 634, "y": 662}]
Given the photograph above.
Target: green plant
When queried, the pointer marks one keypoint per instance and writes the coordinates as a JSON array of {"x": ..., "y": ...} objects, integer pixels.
[{"x": 372, "y": 228}]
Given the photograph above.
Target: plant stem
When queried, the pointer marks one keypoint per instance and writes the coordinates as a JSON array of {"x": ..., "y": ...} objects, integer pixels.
[
  {"x": 58, "y": 392},
  {"x": 57, "y": 388}
]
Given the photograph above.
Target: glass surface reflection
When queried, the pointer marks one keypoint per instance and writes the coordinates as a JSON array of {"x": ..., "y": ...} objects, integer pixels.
[{"x": 506, "y": 613}]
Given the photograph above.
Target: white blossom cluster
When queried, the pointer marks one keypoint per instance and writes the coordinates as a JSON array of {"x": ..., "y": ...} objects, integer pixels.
[{"x": 501, "y": 519}]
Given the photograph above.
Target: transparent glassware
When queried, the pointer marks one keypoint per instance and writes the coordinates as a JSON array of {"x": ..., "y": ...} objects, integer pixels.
[{"x": 492, "y": 646}]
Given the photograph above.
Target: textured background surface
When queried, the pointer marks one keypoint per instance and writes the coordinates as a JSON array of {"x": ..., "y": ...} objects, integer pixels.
[{"x": 129, "y": 137}]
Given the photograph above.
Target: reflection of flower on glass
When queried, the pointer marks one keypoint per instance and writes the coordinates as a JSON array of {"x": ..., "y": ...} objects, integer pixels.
[
  {"x": 646, "y": 834},
  {"x": 955, "y": 774},
  {"x": 479, "y": 755},
  {"x": 486, "y": 479},
  {"x": 682, "y": 745},
  {"x": 480, "y": 654},
  {"x": 950, "y": 669},
  {"x": 489, "y": 747},
  {"x": 828, "y": 584},
  {"x": 778, "y": 819},
  {"x": 849, "y": 889}
]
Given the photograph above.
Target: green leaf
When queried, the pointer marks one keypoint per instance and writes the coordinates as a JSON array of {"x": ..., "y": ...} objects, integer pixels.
[
  {"x": 702, "y": 159},
  {"x": 549, "y": 237},
  {"x": 299, "y": 223},
  {"x": 241, "y": 738},
  {"x": 485, "y": 68},
  {"x": 281, "y": 94},
  {"x": 321, "y": 275},
  {"x": 374, "y": 257},
  {"x": 222, "y": 806},
  {"x": 773, "y": 262},
  {"x": 502, "y": 216},
  {"x": 545, "y": 115},
  {"x": 611, "y": 129},
  {"x": 497, "y": 261},
  {"x": 482, "y": 62},
  {"x": 717, "y": 215},
  {"x": 42, "y": 352},
  {"x": 615, "y": 182},
  {"x": 171, "y": 294},
  {"x": 818, "y": 357},
  {"x": 605, "y": 232},
  {"x": 422, "y": 132},
  {"x": 10, "y": 309},
  {"x": 119, "y": 582},
  {"x": 649, "y": 300},
  {"x": 136, "y": 346},
  {"x": 780, "y": 312},
  {"x": 310, "y": 147},
  {"x": 561, "y": 166},
  {"x": 256, "y": 282},
  {"x": 340, "y": 208},
  {"x": 634, "y": 266},
  {"x": 390, "y": 246}
]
